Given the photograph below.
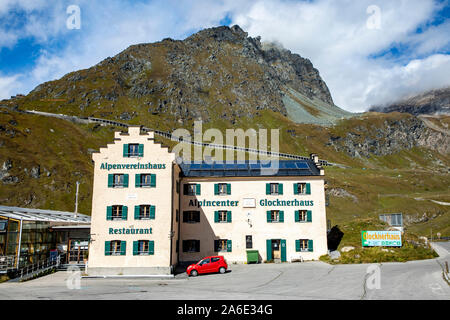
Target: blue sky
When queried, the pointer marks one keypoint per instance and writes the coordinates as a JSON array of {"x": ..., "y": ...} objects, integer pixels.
[{"x": 368, "y": 52}]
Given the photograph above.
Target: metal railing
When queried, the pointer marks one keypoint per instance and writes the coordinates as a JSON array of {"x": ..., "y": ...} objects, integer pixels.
[
  {"x": 7, "y": 262},
  {"x": 180, "y": 139},
  {"x": 39, "y": 266}
]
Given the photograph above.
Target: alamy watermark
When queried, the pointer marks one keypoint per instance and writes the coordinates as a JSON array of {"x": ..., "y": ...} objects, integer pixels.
[
  {"x": 74, "y": 19},
  {"x": 210, "y": 146},
  {"x": 374, "y": 20},
  {"x": 74, "y": 279},
  {"x": 373, "y": 280}
]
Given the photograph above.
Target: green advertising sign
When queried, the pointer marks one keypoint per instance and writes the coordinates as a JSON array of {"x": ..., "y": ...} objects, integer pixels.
[{"x": 381, "y": 238}]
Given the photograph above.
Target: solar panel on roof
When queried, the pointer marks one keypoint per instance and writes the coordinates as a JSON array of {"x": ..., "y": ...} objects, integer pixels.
[
  {"x": 289, "y": 165},
  {"x": 301, "y": 165},
  {"x": 206, "y": 166},
  {"x": 218, "y": 166},
  {"x": 255, "y": 166}
]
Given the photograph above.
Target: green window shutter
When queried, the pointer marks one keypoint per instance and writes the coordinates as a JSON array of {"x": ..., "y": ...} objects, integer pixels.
[
  {"x": 135, "y": 248},
  {"x": 309, "y": 216},
  {"x": 283, "y": 250},
  {"x": 297, "y": 216},
  {"x": 152, "y": 212},
  {"x": 281, "y": 216},
  {"x": 125, "y": 180},
  {"x": 310, "y": 245},
  {"x": 125, "y": 150},
  {"x": 228, "y": 245},
  {"x": 308, "y": 188},
  {"x": 280, "y": 188},
  {"x": 124, "y": 212},
  {"x": 197, "y": 189},
  {"x": 228, "y": 216},
  {"x": 295, "y": 188},
  {"x": 269, "y": 216},
  {"x": 123, "y": 248},
  {"x": 151, "y": 247},
  {"x": 153, "y": 180},
  {"x": 228, "y": 188},
  {"x": 141, "y": 150},
  {"x": 107, "y": 248},
  {"x": 110, "y": 180},
  {"x": 137, "y": 182},
  {"x": 267, "y": 188},
  {"x": 216, "y": 189},
  {"x": 109, "y": 213},
  {"x": 137, "y": 211},
  {"x": 297, "y": 245},
  {"x": 269, "y": 249},
  {"x": 216, "y": 216}
]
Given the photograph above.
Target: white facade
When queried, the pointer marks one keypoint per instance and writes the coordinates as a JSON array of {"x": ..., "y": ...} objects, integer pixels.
[{"x": 147, "y": 226}]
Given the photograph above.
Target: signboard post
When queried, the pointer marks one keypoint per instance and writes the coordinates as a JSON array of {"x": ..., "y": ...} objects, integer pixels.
[{"x": 381, "y": 238}]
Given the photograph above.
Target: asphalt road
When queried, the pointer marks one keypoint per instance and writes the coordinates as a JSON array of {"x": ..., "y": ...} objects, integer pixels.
[{"x": 308, "y": 280}]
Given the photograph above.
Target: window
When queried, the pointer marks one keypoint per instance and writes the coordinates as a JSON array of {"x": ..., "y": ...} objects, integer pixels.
[
  {"x": 133, "y": 150},
  {"x": 116, "y": 212},
  {"x": 303, "y": 245},
  {"x": 191, "y": 216},
  {"x": 115, "y": 248},
  {"x": 192, "y": 189},
  {"x": 215, "y": 260},
  {"x": 222, "y": 216},
  {"x": 248, "y": 242},
  {"x": 143, "y": 247},
  {"x": 222, "y": 188},
  {"x": 144, "y": 212},
  {"x": 222, "y": 245},
  {"x": 274, "y": 188},
  {"x": 118, "y": 180},
  {"x": 303, "y": 216},
  {"x": 177, "y": 215},
  {"x": 191, "y": 245},
  {"x": 275, "y": 216},
  {"x": 302, "y": 188},
  {"x": 145, "y": 180}
]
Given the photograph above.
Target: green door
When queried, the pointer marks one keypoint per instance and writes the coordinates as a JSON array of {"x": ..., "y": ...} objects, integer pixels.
[
  {"x": 269, "y": 249},
  {"x": 283, "y": 250}
]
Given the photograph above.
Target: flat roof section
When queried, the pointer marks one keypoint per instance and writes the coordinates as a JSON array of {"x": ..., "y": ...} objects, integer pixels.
[
  {"x": 250, "y": 168},
  {"x": 28, "y": 214}
]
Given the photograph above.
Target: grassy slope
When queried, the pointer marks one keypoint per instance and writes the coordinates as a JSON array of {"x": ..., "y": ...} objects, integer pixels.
[{"x": 381, "y": 184}]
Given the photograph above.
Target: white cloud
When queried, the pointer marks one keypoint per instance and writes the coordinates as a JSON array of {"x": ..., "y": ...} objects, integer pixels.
[
  {"x": 9, "y": 86},
  {"x": 332, "y": 34}
]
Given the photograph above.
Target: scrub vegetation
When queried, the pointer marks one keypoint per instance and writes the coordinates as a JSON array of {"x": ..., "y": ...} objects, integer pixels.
[{"x": 412, "y": 247}]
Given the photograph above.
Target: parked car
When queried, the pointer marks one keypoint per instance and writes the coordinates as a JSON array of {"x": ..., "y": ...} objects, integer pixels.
[{"x": 208, "y": 265}]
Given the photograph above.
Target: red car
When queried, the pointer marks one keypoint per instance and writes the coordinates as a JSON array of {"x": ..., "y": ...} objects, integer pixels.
[{"x": 208, "y": 265}]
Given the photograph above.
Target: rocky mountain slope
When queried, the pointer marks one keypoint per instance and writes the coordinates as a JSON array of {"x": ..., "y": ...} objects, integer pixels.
[
  {"x": 215, "y": 73},
  {"x": 433, "y": 102}
]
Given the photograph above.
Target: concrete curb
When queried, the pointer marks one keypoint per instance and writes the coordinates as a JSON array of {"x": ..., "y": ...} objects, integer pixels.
[
  {"x": 442, "y": 252},
  {"x": 157, "y": 277}
]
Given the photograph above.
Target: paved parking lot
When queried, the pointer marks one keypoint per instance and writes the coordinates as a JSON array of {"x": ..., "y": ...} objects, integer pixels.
[{"x": 308, "y": 280}]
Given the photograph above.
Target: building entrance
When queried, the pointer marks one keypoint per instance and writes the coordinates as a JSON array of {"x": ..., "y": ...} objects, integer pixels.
[{"x": 77, "y": 250}]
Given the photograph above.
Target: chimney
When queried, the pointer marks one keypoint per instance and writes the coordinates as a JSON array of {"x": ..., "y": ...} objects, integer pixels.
[{"x": 314, "y": 157}]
